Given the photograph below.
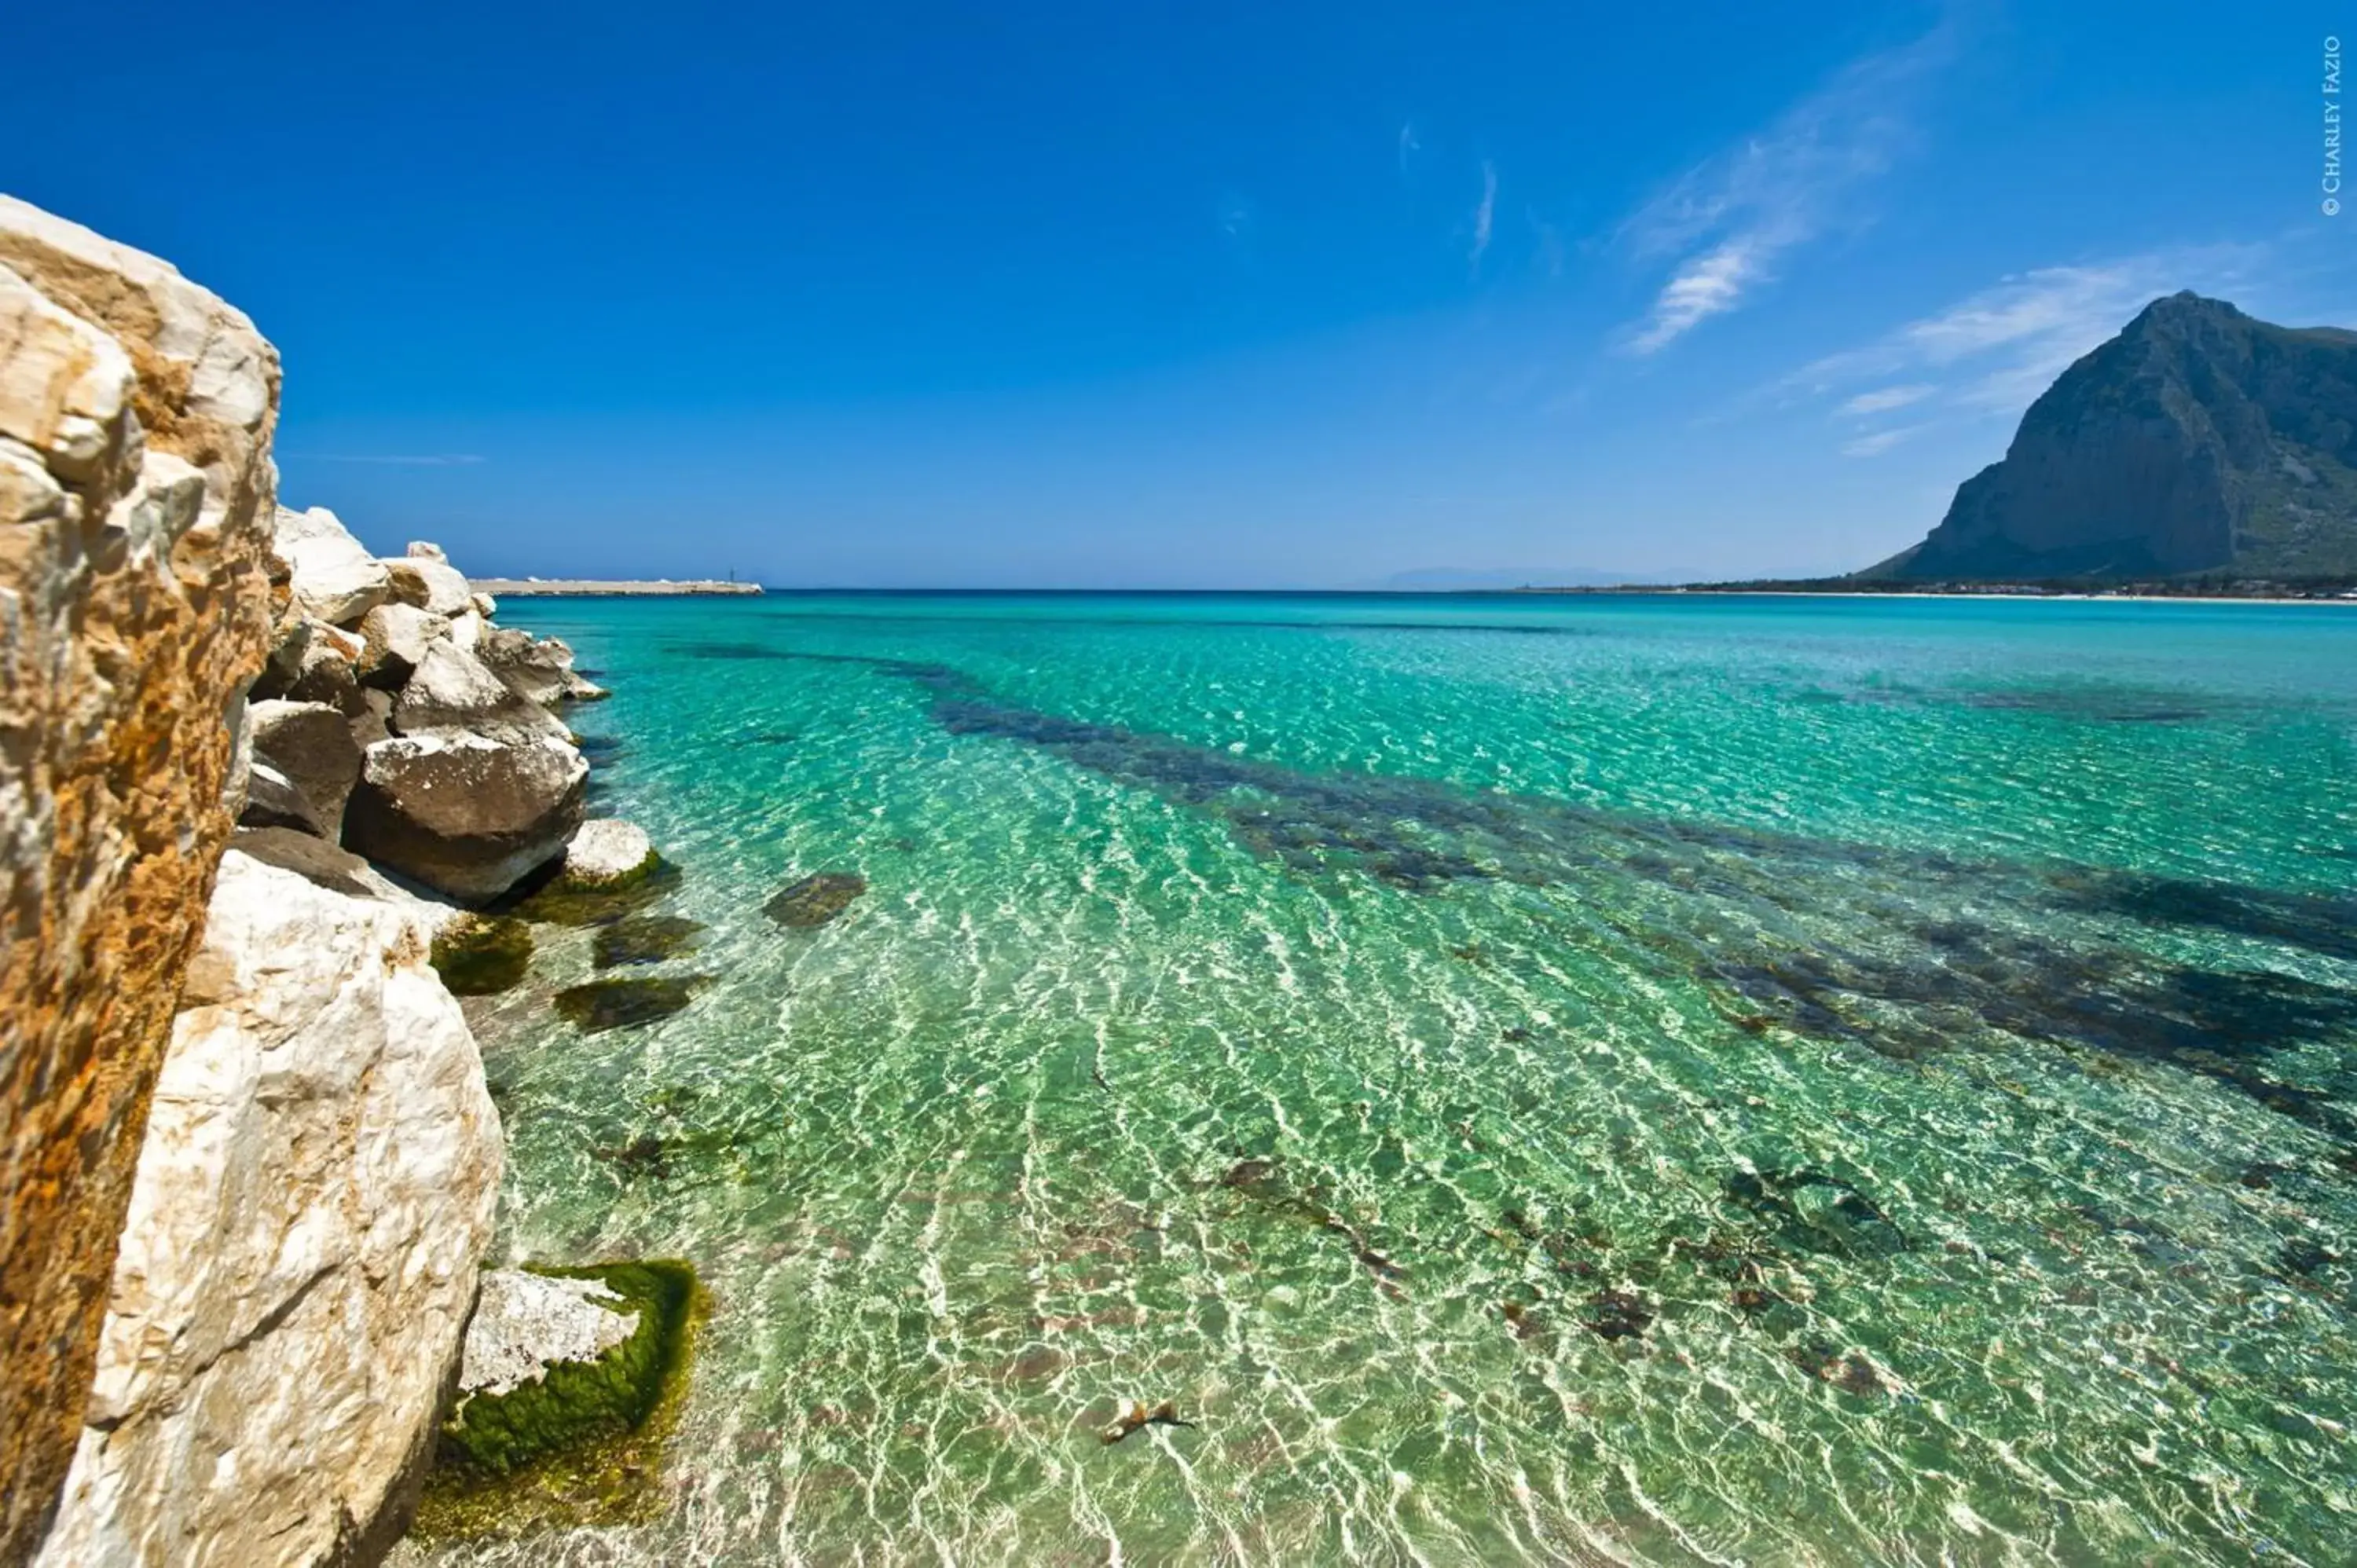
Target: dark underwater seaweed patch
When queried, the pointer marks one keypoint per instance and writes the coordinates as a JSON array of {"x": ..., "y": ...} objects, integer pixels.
[
  {"x": 2320, "y": 923},
  {"x": 1424, "y": 835},
  {"x": 622, "y": 1003}
]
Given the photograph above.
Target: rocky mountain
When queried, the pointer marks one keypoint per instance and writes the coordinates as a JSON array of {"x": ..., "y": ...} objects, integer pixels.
[{"x": 2197, "y": 440}]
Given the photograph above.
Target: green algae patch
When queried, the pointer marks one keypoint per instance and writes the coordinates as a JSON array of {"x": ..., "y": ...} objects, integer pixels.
[
  {"x": 643, "y": 938},
  {"x": 481, "y": 955},
  {"x": 625, "y": 1000},
  {"x": 562, "y": 900},
  {"x": 583, "y": 1445}
]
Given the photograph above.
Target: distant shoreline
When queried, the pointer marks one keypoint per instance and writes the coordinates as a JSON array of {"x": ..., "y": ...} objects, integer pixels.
[
  {"x": 584, "y": 588},
  {"x": 2342, "y": 597}
]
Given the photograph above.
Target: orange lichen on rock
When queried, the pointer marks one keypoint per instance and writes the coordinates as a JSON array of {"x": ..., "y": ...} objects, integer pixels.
[{"x": 136, "y": 500}]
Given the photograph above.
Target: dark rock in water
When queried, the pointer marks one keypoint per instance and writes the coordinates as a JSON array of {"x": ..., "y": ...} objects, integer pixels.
[
  {"x": 643, "y": 938},
  {"x": 468, "y": 816},
  {"x": 1825, "y": 1209},
  {"x": 582, "y": 1443},
  {"x": 2197, "y": 440},
  {"x": 1525, "y": 1324},
  {"x": 480, "y": 955},
  {"x": 624, "y": 1002},
  {"x": 1619, "y": 1315},
  {"x": 558, "y": 901},
  {"x": 814, "y": 900}
]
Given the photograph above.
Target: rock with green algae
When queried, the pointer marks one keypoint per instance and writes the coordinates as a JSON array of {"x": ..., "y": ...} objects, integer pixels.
[
  {"x": 621, "y": 1001},
  {"x": 582, "y": 1443},
  {"x": 481, "y": 955},
  {"x": 643, "y": 938},
  {"x": 564, "y": 900}
]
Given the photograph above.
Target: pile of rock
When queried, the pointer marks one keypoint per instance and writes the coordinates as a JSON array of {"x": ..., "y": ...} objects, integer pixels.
[{"x": 394, "y": 718}]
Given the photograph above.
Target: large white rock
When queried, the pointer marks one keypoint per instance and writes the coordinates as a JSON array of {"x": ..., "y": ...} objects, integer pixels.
[
  {"x": 450, "y": 693},
  {"x": 393, "y": 640},
  {"x": 335, "y": 578},
  {"x": 430, "y": 584},
  {"x": 315, "y": 1189}
]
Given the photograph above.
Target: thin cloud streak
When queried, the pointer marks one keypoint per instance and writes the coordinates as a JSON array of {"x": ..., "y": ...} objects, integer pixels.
[
  {"x": 2011, "y": 339},
  {"x": 1485, "y": 215},
  {"x": 1885, "y": 399},
  {"x": 1731, "y": 217},
  {"x": 1880, "y": 441}
]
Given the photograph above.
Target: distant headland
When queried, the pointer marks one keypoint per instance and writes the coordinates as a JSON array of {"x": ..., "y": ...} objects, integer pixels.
[{"x": 584, "y": 588}]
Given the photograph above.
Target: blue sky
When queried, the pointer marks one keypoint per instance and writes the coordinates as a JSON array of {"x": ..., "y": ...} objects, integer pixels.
[{"x": 1167, "y": 295}]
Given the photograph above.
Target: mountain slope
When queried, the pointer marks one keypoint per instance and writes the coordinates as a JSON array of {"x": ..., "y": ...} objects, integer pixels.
[{"x": 2198, "y": 440}]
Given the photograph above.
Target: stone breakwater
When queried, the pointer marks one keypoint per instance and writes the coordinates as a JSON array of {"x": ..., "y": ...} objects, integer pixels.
[
  {"x": 249, "y": 773},
  {"x": 590, "y": 588}
]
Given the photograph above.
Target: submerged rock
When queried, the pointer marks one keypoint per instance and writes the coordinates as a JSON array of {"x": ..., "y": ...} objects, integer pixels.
[
  {"x": 814, "y": 900},
  {"x": 1619, "y": 1315},
  {"x": 643, "y": 938},
  {"x": 558, "y": 901},
  {"x": 481, "y": 955},
  {"x": 624, "y": 1001},
  {"x": 570, "y": 1382}
]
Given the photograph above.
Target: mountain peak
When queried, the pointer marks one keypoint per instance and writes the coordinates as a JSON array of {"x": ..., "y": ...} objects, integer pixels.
[{"x": 2198, "y": 440}]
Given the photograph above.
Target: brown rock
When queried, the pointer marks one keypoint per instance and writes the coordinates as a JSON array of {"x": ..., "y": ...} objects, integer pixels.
[
  {"x": 539, "y": 668},
  {"x": 450, "y": 692},
  {"x": 311, "y": 744},
  {"x": 136, "y": 505},
  {"x": 465, "y": 815}
]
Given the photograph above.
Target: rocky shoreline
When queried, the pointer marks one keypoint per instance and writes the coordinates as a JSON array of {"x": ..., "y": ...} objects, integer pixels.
[{"x": 256, "y": 783}]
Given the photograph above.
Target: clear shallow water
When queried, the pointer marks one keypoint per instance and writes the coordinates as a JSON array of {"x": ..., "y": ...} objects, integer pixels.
[{"x": 1600, "y": 1080}]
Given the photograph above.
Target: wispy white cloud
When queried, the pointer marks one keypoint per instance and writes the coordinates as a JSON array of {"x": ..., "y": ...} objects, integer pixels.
[
  {"x": 1996, "y": 348},
  {"x": 1484, "y": 215},
  {"x": 1875, "y": 443},
  {"x": 1729, "y": 220},
  {"x": 1409, "y": 145},
  {"x": 397, "y": 460},
  {"x": 1882, "y": 400}
]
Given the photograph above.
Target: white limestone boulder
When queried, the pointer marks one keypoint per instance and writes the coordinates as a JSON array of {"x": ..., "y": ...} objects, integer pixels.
[
  {"x": 524, "y": 1323},
  {"x": 435, "y": 586},
  {"x": 318, "y": 1182},
  {"x": 332, "y": 577},
  {"x": 394, "y": 640},
  {"x": 451, "y": 692},
  {"x": 605, "y": 851}
]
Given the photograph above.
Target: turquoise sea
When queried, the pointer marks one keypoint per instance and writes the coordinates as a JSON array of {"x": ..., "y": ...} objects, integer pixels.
[{"x": 1599, "y": 1080}]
